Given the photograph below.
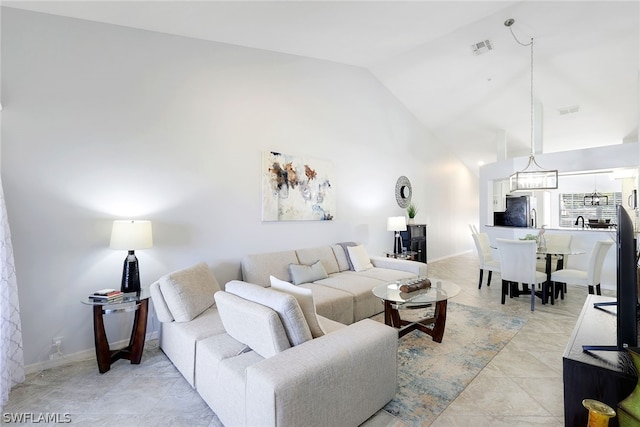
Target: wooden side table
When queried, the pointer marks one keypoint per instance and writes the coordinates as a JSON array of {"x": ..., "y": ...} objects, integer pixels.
[{"x": 133, "y": 352}]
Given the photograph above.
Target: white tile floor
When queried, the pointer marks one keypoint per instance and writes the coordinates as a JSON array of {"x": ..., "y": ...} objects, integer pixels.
[{"x": 521, "y": 386}]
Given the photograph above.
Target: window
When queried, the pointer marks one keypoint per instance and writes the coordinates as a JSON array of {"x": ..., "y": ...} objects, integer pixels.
[{"x": 572, "y": 205}]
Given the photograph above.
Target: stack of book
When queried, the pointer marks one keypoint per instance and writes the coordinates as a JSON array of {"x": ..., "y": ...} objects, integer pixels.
[{"x": 106, "y": 295}]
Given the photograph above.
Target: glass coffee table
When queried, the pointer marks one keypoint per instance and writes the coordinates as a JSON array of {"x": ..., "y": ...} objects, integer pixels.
[{"x": 436, "y": 295}]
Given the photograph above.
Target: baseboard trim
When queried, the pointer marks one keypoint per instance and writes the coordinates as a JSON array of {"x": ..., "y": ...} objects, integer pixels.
[{"x": 67, "y": 359}]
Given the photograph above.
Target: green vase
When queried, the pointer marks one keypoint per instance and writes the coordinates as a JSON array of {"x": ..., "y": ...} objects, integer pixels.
[{"x": 629, "y": 408}]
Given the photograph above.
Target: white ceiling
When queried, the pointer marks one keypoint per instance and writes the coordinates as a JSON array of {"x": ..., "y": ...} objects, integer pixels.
[{"x": 586, "y": 54}]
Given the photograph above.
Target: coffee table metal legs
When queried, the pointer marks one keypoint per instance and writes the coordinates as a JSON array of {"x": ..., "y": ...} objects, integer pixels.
[{"x": 432, "y": 326}]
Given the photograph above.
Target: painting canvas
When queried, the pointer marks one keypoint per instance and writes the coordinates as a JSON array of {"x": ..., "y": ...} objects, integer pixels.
[{"x": 296, "y": 188}]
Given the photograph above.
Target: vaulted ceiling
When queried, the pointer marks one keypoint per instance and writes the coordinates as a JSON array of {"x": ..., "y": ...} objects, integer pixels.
[{"x": 586, "y": 57}]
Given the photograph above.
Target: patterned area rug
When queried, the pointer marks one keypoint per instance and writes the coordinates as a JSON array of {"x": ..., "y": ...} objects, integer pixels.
[{"x": 432, "y": 375}]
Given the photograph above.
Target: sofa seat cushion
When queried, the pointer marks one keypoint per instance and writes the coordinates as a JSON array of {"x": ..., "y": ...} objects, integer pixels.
[
  {"x": 365, "y": 304},
  {"x": 178, "y": 339},
  {"x": 285, "y": 305},
  {"x": 332, "y": 303},
  {"x": 189, "y": 292},
  {"x": 383, "y": 274},
  {"x": 221, "y": 377},
  {"x": 252, "y": 324}
]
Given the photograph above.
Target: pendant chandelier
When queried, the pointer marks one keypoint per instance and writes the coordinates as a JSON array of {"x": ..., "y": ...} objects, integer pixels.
[
  {"x": 595, "y": 198},
  {"x": 533, "y": 176}
]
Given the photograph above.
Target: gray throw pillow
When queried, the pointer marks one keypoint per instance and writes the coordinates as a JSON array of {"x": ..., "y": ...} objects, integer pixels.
[{"x": 301, "y": 273}]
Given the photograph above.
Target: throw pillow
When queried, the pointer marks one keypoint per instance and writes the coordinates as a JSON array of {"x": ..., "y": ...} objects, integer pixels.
[
  {"x": 189, "y": 292},
  {"x": 359, "y": 258},
  {"x": 305, "y": 299},
  {"x": 285, "y": 305},
  {"x": 301, "y": 273}
]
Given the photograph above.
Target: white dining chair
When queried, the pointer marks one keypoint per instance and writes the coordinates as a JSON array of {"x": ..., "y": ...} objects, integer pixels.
[
  {"x": 518, "y": 265},
  {"x": 485, "y": 257},
  {"x": 560, "y": 242},
  {"x": 589, "y": 277}
]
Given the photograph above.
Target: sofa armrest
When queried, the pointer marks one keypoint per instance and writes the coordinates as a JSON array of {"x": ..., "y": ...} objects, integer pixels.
[
  {"x": 415, "y": 267},
  {"x": 352, "y": 371}
]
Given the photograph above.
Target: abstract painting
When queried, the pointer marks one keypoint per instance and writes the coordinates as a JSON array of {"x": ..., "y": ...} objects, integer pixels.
[{"x": 296, "y": 188}]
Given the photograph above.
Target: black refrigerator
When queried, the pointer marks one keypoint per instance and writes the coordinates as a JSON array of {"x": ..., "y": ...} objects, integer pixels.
[{"x": 517, "y": 212}]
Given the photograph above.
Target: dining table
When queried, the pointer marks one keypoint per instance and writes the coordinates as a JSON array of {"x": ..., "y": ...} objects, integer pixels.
[{"x": 548, "y": 253}]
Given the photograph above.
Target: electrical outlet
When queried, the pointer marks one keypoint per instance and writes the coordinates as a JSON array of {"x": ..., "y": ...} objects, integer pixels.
[{"x": 56, "y": 342}]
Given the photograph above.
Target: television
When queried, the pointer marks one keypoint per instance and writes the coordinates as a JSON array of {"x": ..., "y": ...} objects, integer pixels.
[{"x": 626, "y": 288}]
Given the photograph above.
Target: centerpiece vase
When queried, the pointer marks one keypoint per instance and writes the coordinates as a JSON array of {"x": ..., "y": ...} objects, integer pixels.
[
  {"x": 599, "y": 413},
  {"x": 629, "y": 408}
]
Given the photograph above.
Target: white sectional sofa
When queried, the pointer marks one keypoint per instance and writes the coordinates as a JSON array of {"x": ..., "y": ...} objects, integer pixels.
[
  {"x": 262, "y": 356},
  {"x": 343, "y": 292}
]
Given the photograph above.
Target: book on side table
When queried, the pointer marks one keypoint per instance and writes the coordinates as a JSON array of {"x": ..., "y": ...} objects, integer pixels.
[{"x": 106, "y": 295}]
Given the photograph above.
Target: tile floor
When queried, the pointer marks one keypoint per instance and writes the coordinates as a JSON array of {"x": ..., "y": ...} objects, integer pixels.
[{"x": 521, "y": 386}]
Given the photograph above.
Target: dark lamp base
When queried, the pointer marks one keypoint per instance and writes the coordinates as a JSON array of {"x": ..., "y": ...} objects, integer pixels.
[{"x": 130, "y": 274}]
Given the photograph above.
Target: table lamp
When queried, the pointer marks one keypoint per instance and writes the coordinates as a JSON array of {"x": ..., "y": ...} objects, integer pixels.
[
  {"x": 130, "y": 235},
  {"x": 397, "y": 224}
]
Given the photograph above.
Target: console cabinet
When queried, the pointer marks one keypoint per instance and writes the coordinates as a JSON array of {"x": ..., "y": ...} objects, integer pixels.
[
  {"x": 415, "y": 239},
  {"x": 607, "y": 376}
]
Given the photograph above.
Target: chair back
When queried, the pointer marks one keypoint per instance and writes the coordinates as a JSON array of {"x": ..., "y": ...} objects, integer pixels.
[
  {"x": 473, "y": 229},
  {"x": 517, "y": 260},
  {"x": 558, "y": 241},
  {"x": 596, "y": 260},
  {"x": 483, "y": 246}
]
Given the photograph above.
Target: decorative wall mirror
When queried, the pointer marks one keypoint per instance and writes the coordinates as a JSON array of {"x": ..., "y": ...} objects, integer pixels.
[{"x": 403, "y": 191}]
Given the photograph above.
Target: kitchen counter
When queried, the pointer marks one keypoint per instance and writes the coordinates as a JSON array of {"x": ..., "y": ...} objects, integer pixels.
[{"x": 531, "y": 230}]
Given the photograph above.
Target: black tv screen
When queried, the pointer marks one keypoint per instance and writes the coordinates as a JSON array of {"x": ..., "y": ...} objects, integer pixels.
[{"x": 627, "y": 286}]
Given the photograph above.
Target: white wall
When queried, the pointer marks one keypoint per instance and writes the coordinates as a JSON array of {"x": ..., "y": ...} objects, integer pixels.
[{"x": 103, "y": 122}]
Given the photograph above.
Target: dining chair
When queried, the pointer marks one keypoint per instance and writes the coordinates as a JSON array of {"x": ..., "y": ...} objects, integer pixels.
[
  {"x": 473, "y": 228},
  {"x": 553, "y": 242},
  {"x": 518, "y": 265},
  {"x": 485, "y": 257},
  {"x": 589, "y": 277}
]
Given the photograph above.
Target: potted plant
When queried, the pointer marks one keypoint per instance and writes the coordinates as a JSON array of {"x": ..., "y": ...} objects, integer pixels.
[{"x": 412, "y": 210}]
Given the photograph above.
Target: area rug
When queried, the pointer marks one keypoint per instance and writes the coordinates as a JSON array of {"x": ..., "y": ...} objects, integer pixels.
[{"x": 431, "y": 375}]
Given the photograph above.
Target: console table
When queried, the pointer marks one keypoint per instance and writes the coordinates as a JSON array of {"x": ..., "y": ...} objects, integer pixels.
[{"x": 606, "y": 376}]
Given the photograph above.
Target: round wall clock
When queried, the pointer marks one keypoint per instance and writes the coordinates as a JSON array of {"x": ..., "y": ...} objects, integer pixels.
[{"x": 403, "y": 191}]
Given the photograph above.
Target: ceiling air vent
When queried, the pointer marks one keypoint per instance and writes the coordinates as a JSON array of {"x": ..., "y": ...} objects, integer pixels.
[
  {"x": 481, "y": 47},
  {"x": 568, "y": 110}
]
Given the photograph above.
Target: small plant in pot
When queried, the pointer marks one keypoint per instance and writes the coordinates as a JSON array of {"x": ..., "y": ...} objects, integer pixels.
[{"x": 412, "y": 210}]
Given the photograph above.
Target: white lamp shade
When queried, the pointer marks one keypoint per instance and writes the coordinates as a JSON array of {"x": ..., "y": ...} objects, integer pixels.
[
  {"x": 131, "y": 235},
  {"x": 396, "y": 223}
]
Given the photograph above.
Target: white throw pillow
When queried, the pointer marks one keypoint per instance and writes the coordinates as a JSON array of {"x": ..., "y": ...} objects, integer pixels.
[
  {"x": 305, "y": 300},
  {"x": 189, "y": 292},
  {"x": 302, "y": 273},
  {"x": 359, "y": 258}
]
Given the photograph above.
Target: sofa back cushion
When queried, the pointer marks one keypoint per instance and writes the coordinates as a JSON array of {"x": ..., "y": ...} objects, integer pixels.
[
  {"x": 285, "y": 305},
  {"x": 304, "y": 297},
  {"x": 189, "y": 292},
  {"x": 252, "y": 324},
  {"x": 257, "y": 268},
  {"x": 159, "y": 304},
  {"x": 340, "y": 251},
  {"x": 323, "y": 253}
]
